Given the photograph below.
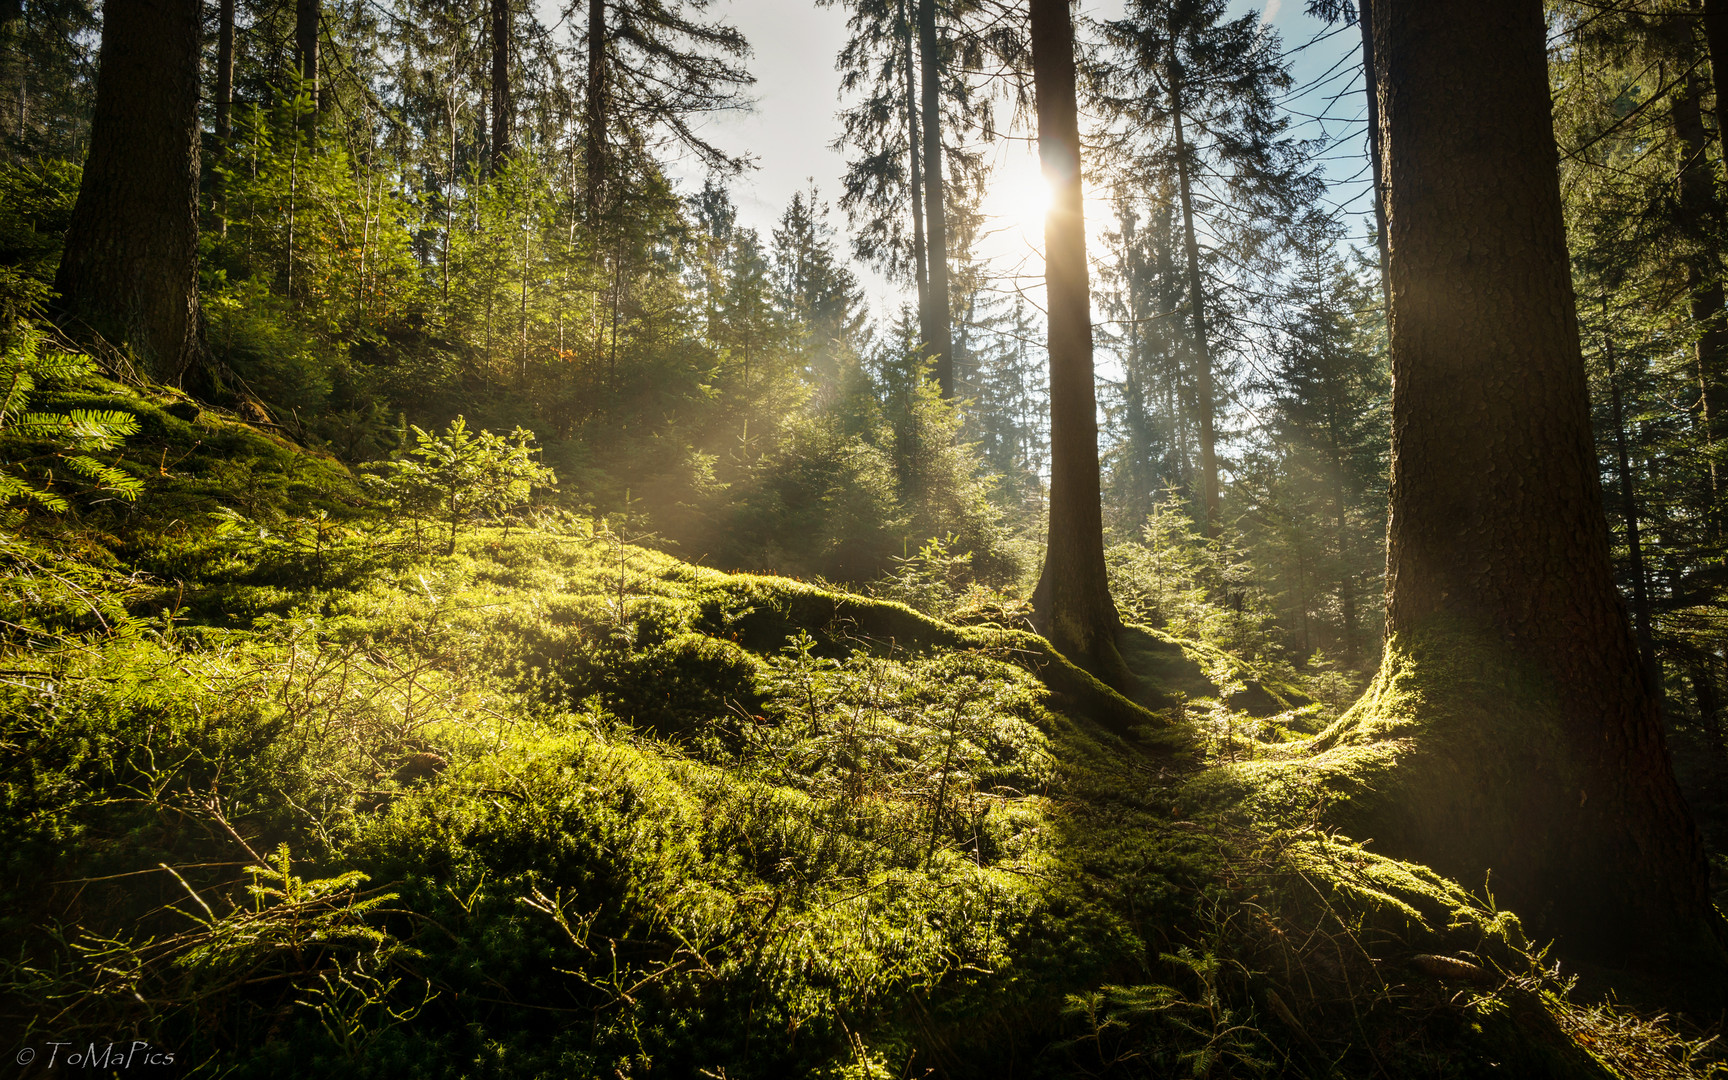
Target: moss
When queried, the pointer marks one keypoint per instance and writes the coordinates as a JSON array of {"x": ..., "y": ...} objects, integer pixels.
[
  {"x": 707, "y": 822},
  {"x": 1194, "y": 669}
]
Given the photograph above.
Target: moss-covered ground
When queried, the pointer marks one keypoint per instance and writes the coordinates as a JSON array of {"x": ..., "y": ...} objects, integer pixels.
[{"x": 289, "y": 792}]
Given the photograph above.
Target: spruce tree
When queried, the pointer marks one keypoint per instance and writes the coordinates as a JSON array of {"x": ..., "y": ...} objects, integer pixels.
[
  {"x": 130, "y": 268},
  {"x": 1205, "y": 89},
  {"x": 1528, "y": 743},
  {"x": 652, "y": 67},
  {"x": 1073, "y": 596}
]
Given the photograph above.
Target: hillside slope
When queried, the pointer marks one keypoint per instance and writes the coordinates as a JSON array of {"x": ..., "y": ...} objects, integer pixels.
[{"x": 288, "y": 791}]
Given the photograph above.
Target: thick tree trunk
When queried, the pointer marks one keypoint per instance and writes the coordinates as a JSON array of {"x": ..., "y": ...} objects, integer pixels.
[
  {"x": 1203, "y": 390},
  {"x": 1528, "y": 739},
  {"x": 130, "y": 268},
  {"x": 503, "y": 108},
  {"x": 937, "y": 333},
  {"x": 596, "y": 110},
  {"x": 1073, "y": 596},
  {"x": 307, "y": 15},
  {"x": 920, "y": 270}
]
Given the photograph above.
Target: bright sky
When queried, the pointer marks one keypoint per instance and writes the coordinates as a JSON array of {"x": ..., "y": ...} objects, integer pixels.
[{"x": 795, "y": 121}]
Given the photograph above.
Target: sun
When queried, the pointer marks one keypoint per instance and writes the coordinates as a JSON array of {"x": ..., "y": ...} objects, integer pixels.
[{"x": 1016, "y": 201}]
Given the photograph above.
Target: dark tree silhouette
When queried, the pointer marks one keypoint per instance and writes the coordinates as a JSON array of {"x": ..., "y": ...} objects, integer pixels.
[
  {"x": 130, "y": 268},
  {"x": 1073, "y": 596},
  {"x": 934, "y": 316},
  {"x": 1528, "y": 739}
]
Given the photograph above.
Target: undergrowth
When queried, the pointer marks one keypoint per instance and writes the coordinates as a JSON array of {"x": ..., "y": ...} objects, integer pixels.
[{"x": 302, "y": 792}]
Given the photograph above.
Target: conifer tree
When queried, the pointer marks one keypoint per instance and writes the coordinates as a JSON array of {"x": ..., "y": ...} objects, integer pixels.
[
  {"x": 308, "y": 27},
  {"x": 46, "y": 74},
  {"x": 1327, "y": 393},
  {"x": 503, "y": 102},
  {"x": 130, "y": 267},
  {"x": 815, "y": 289},
  {"x": 1530, "y": 744},
  {"x": 1073, "y": 595},
  {"x": 906, "y": 60},
  {"x": 1208, "y": 87},
  {"x": 1352, "y": 12},
  {"x": 652, "y": 67}
]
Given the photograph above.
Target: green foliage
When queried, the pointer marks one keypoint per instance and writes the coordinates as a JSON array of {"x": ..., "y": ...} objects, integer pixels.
[
  {"x": 1203, "y": 589},
  {"x": 51, "y": 438},
  {"x": 532, "y": 828},
  {"x": 35, "y": 206},
  {"x": 459, "y": 475}
]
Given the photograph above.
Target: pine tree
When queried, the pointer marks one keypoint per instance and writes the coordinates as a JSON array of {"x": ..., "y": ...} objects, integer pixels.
[
  {"x": 652, "y": 67},
  {"x": 1328, "y": 394},
  {"x": 817, "y": 293},
  {"x": 47, "y": 74},
  {"x": 906, "y": 60}
]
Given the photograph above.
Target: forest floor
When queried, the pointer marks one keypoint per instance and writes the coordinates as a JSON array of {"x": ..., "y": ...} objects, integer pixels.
[{"x": 288, "y": 790}]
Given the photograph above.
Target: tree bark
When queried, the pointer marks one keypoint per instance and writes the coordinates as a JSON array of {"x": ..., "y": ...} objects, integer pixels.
[
  {"x": 307, "y": 15},
  {"x": 1073, "y": 595},
  {"x": 1701, "y": 218},
  {"x": 224, "y": 73},
  {"x": 1203, "y": 389},
  {"x": 920, "y": 269},
  {"x": 596, "y": 110},
  {"x": 1535, "y": 750},
  {"x": 1365, "y": 20},
  {"x": 503, "y": 108},
  {"x": 937, "y": 333},
  {"x": 130, "y": 268}
]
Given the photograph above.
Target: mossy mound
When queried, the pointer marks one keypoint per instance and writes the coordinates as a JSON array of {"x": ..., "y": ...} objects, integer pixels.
[
  {"x": 1194, "y": 669},
  {"x": 1443, "y": 756}
]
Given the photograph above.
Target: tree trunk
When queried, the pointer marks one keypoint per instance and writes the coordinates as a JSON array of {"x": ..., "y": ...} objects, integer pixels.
[
  {"x": 224, "y": 99},
  {"x": 1641, "y": 622},
  {"x": 596, "y": 110},
  {"x": 1203, "y": 390},
  {"x": 224, "y": 73},
  {"x": 1349, "y": 654},
  {"x": 130, "y": 268},
  {"x": 503, "y": 109},
  {"x": 935, "y": 318},
  {"x": 1365, "y": 20},
  {"x": 1526, "y": 737},
  {"x": 1073, "y": 596},
  {"x": 1716, "y": 40},
  {"x": 307, "y": 15},
  {"x": 920, "y": 270},
  {"x": 1700, "y": 217}
]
